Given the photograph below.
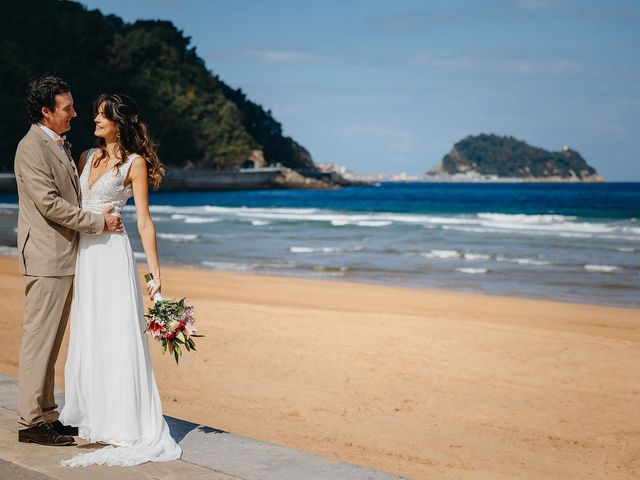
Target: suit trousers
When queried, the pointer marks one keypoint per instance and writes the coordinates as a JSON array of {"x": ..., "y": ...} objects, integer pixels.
[{"x": 46, "y": 312}]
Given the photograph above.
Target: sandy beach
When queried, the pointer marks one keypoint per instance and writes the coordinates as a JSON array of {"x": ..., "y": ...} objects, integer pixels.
[{"x": 426, "y": 384}]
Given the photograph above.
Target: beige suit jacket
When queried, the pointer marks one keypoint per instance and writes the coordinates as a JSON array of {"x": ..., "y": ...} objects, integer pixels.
[{"x": 49, "y": 216}]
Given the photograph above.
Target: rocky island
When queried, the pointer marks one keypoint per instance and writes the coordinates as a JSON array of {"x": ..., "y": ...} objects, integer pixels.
[{"x": 495, "y": 157}]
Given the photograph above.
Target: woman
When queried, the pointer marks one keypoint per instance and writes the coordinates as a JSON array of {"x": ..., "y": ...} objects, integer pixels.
[{"x": 110, "y": 389}]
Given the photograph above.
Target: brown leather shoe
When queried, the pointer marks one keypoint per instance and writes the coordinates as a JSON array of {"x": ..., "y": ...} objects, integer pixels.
[
  {"x": 63, "y": 429},
  {"x": 44, "y": 434}
]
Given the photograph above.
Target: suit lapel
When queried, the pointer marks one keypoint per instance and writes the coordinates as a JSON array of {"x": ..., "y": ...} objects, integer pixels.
[
  {"x": 61, "y": 155},
  {"x": 76, "y": 175}
]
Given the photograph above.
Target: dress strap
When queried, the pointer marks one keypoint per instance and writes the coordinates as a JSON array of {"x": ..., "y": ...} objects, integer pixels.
[
  {"x": 127, "y": 165},
  {"x": 92, "y": 152}
]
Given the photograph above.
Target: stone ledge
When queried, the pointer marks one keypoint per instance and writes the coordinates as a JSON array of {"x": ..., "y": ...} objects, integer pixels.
[{"x": 208, "y": 453}]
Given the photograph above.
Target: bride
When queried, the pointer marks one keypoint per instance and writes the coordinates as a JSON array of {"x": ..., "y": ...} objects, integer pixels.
[{"x": 110, "y": 390}]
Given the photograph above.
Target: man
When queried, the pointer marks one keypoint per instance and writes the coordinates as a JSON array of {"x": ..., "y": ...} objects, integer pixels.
[{"x": 49, "y": 220}]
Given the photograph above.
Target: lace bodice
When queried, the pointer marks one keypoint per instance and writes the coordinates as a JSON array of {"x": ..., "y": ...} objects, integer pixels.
[{"x": 108, "y": 190}]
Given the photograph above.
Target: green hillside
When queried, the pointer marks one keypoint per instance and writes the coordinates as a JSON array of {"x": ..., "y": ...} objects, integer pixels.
[{"x": 195, "y": 117}]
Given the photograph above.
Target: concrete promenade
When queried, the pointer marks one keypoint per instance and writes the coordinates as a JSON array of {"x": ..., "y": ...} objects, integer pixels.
[{"x": 208, "y": 453}]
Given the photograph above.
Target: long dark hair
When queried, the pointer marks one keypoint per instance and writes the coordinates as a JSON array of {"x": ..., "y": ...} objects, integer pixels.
[{"x": 133, "y": 136}]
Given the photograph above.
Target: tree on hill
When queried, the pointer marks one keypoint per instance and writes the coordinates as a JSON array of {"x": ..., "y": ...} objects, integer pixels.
[{"x": 195, "y": 117}]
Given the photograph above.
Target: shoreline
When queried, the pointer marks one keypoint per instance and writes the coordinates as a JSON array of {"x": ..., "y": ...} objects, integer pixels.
[
  {"x": 257, "y": 178},
  {"x": 362, "y": 282},
  {"x": 382, "y": 179}
]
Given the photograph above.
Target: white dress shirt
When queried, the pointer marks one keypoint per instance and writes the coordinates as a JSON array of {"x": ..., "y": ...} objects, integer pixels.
[
  {"x": 56, "y": 138},
  {"x": 60, "y": 141}
]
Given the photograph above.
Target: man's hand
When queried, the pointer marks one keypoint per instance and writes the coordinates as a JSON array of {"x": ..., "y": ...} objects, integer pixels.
[{"x": 111, "y": 222}]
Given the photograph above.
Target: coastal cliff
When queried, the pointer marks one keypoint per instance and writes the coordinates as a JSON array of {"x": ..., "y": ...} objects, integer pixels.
[{"x": 506, "y": 157}]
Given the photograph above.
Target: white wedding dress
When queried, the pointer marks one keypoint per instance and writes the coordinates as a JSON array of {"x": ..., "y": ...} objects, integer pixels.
[{"x": 110, "y": 390}]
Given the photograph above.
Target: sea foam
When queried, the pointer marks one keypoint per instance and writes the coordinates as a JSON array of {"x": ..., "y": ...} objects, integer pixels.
[
  {"x": 483, "y": 222},
  {"x": 472, "y": 270},
  {"x": 178, "y": 237},
  {"x": 441, "y": 254},
  {"x": 297, "y": 249},
  {"x": 9, "y": 251},
  {"x": 602, "y": 268}
]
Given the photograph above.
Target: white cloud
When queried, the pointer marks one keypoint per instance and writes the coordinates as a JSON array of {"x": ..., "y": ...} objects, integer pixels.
[
  {"x": 539, "y": 4},
  {"x": 494, "y": 64},
  {"x": 284, "y": 56},
  {"x": 403, "y": 22},
  {"x": 510, "y": 63}
]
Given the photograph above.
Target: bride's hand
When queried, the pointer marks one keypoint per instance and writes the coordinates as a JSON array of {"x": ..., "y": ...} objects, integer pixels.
[{"x": 151, "y": 290}]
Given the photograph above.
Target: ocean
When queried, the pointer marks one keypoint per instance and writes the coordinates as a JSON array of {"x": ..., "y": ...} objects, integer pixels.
[{"x": 570, "y": 242}]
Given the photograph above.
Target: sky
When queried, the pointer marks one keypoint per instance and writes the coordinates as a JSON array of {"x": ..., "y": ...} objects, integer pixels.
[{"x": 391, "y": 86}]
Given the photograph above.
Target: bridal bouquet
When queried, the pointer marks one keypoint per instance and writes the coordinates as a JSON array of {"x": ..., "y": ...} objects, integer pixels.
[{"x": 168, "y": 320}]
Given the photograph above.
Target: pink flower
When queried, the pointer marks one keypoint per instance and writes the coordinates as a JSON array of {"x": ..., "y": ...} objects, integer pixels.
[
  {"x": 190, "y": 328},
  {"x": 155, "y": 328}
]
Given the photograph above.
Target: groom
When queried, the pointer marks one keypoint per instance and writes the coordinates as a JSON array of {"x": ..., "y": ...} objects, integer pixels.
[{"x": 49, "y": 220}]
